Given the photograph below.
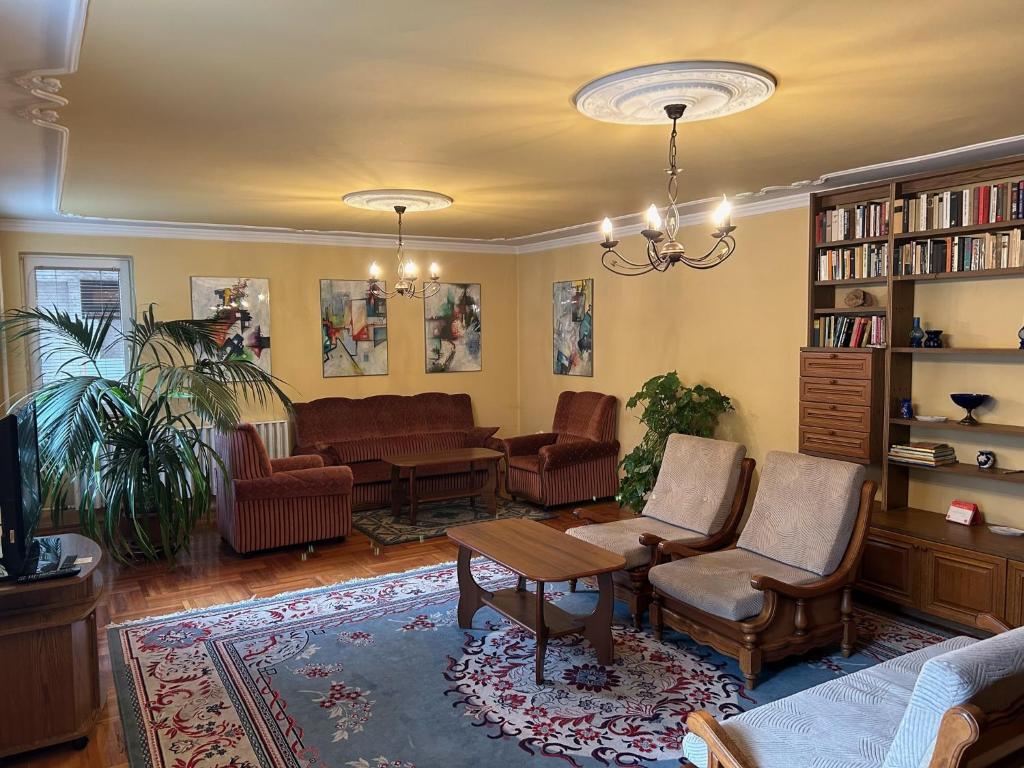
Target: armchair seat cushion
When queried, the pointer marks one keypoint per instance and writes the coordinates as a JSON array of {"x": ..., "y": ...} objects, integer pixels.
[
  {"x": 719, "y": 582},
  {"x": 850, "y": 721},
  {"x": 526, "y": 463},
  {"x": 623, "y": 537}
]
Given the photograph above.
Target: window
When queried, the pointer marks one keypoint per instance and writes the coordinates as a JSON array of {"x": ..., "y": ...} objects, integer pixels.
[{"x": 85, "y": 286}]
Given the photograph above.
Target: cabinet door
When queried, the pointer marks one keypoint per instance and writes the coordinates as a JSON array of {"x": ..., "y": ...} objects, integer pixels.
[
  {"x": 1015, "y": 593},
  {"x": 889, "y": 568},
  {"x": 959, "y": 584}
]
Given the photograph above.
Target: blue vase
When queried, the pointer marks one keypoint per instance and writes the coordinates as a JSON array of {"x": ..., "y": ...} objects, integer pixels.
[
  {"x": 917, "y": 334},
  {"x": 906, "y": 409}
]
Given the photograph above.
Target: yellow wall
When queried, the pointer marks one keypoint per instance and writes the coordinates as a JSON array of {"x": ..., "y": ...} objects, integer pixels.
[{"x": 162, "y": 269}]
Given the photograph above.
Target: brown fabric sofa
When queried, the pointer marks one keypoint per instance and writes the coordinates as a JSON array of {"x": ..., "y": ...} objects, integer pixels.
[
  {"x": 575, "y": 461},
  {"x": 264, "y": 503},
  {"x": 360, "y": 433}
]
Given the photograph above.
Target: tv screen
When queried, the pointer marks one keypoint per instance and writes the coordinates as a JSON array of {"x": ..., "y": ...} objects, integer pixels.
[{"x": 20, "y": 495}]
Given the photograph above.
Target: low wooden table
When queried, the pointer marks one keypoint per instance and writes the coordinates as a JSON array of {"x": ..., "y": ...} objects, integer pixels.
[
  {"x": 539, "y": 553},
  {"x": 411, "y": 462}
]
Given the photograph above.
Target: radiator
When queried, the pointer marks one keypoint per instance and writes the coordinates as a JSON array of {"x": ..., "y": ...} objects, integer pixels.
[{"x": 274, "y": 435}]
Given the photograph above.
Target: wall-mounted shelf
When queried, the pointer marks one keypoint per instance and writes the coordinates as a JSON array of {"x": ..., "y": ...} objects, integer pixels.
[
  {"x": 852, "y": 282},
  {"x": 981, "y": 428},
  {"x": 974, "y": 274},
  {"x": 931, "y": 234},
  {"x": 852, "y": 241},
  {"x": 859, "y": 311},
  {"x": 968, "y": 470},
  {"x": 1001, "y": 352}
]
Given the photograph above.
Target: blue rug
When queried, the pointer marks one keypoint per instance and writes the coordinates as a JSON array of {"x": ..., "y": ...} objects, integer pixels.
[{"x": 377, "y": 674}]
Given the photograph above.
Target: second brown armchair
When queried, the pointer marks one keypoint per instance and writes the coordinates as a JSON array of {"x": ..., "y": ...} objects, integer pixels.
[{"x": 575, "y": 461}]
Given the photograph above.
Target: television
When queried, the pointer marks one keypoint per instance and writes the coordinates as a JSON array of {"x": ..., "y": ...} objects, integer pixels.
[{"x": 20, "y": 494}]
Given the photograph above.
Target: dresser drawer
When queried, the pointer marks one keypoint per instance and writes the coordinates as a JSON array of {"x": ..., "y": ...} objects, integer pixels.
[
  {"x": 856, "y": 418},
  {"x": 836, "y": 442},
  {"x": 842, "y": 391},
  {"x": 838, "y": 365}
]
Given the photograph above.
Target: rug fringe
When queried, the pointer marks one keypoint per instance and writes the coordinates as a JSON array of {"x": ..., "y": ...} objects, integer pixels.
[{"x": 283, "y": 595}]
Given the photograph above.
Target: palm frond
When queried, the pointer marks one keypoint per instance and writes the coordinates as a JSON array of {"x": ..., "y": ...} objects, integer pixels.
[{"x": 55, "y": 333}]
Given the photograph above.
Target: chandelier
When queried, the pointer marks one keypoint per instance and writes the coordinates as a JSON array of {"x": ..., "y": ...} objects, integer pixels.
[
  {"x": 663, "y": 250},
  {"x": 406, "y": 273}
]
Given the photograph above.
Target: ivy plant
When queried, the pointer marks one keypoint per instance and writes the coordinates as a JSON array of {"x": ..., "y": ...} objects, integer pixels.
[{"x": 666, "y": 406}]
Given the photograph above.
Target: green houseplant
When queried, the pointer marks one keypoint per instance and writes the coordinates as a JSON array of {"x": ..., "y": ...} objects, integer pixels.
[
  {"x": 133, "y": 445},
  {"x": 668, "y": 406}
]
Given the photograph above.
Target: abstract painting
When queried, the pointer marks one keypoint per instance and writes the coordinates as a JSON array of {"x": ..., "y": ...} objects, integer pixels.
[
  {"x": 452, "y": 328},
  {"x": 354, "y": 329},
  {"x": 573, "y": 340},
  {"x": 242, "y": 304}
]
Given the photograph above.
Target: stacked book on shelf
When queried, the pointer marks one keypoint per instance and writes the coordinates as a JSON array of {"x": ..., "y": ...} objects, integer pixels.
[
  {"x": 993, "y": 250},
  {"x": 845, "y": 331},
  {"x": 923, "y": 454},
  {"x": 862, "y": 220},
  {"x": 983, "y": 204},
  {"x": 854, "y": 263}
]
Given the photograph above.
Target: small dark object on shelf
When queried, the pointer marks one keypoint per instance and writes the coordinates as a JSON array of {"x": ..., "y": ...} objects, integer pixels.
[
  {"x": 906, "y": 408},
  {"x": 933, "y": 340},
  {"x": 916, "y": 334},
  {"x": 986, "y": 460},
  {"x": 1020, "y": 335},
  {"x": 969, "y": 401}
]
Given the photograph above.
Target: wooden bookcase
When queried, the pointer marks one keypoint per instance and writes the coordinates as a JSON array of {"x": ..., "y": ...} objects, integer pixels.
[{"x": 914, "y": 557}]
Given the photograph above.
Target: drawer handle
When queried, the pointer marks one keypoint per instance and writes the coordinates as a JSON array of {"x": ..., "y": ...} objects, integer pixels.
[
  {"x": 831, "y": 433},
  {"x": 833, "y": 381},
  {"x": 831, "y": 407},
  {"x": 833, "y": 356}
]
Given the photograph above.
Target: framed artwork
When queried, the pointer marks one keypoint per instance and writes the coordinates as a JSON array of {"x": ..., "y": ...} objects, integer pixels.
[
  {"x": 573, "y": 327},
  {"x": 452, "y": 330},
  {"x": 353, "y": 329},
  {"x": 242, "y": 304}
]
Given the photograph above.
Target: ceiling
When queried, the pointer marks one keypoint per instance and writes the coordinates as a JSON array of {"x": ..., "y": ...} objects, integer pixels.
[{"x": 265, "y": 112}]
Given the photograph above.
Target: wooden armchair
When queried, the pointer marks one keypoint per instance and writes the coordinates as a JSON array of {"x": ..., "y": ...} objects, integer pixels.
[
  {"x": 786, "y": 587},
  {"x": 698, "y": 499},
  {"x": 956, "y": 704}
]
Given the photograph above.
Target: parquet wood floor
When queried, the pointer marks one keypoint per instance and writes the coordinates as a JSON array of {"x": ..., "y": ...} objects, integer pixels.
[{"x": 212, "y": 574}]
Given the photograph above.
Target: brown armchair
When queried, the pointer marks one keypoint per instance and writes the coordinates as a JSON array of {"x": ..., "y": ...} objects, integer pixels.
[
  {"x": 698, "y": 499},
  {"x": 786, "y": 587},
  {"x": 575, "y": 461},
  {"x": 264, "y": 503}
]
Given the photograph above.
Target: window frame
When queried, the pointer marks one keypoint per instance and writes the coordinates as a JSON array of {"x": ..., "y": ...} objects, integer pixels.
[{"x": 123, "y": 264}]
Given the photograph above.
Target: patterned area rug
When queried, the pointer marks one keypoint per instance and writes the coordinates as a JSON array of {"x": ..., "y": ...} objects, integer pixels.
[
  {"x": 376, "y": 674},
  {"x": 434, "y": 518}
]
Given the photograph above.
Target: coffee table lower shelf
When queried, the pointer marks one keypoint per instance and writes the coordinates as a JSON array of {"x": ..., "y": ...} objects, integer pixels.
[{"x": 521, "y": 607}]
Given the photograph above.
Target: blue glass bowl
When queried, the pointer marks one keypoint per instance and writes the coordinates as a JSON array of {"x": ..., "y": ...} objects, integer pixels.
[{"x": 969, "y": 401}]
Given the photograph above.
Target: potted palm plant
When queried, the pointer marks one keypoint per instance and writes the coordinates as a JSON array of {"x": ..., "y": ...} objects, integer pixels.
[{"x": 133, "y": 445}]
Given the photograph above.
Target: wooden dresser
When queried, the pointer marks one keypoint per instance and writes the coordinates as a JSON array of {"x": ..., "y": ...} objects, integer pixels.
[{"x": 841, "y": 403}]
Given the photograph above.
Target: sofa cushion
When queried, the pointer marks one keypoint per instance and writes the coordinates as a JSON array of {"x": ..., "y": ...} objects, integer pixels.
[
  {"x": 697, "y": 483},
  {"x": 479, "y": 437},
  {"x": 989, "y": 673},
  {"x": 623, "y": 537},
  {"x": 719, "y": 582},
  {"x": 804, "y": 511},
  {"x": 848, "y": 722}
]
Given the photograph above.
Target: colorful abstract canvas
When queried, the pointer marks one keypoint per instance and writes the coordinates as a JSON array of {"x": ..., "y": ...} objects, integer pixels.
[
  {"x": 242, "y": 304},
  {"x": 354, "y": 329},
  {"x": 573, "y": 341},
  {"x": 452, "y": 328}
]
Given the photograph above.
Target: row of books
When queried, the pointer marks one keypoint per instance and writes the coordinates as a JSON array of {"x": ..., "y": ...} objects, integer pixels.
[
  {"x": 851, "y": 263},
  {"x": 846, "y": 331},
  {"x": 995, "y": 250},
  {"x": 923, "y": 454},
  {"x": 984, "y": 204},
  {"x": 862, "y": 220}
]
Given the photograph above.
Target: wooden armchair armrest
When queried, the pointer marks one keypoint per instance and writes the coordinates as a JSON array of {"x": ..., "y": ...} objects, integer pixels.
[
  {"x": 991, "y": 623},
  {"x": 602, "y": 514},
  {"x": 677, "y": 549},
  {"x": 721, "y": 747},
  {"x": 798, "y": 591}
]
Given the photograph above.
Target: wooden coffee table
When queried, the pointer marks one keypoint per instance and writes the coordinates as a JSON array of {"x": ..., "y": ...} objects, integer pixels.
[
  {"x": 539, "y": 553},
  {"x": 413, "y": 495}
]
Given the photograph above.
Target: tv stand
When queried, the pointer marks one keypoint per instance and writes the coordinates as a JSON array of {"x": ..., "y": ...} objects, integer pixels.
[{"x": 48, "y": 655}]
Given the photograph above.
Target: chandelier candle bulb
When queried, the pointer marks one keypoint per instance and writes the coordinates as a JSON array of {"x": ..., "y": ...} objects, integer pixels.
[
  {"x": 723, "y": 213},
  {"x": 653, "y": 218},
  {"x": 606, "y": 229},
  {"x": 435, "y": 271},
  {"x": 374, "y": 271}
]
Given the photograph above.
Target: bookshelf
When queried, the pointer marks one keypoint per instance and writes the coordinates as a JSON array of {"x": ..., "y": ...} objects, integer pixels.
[{"x": 938, "y": 227}]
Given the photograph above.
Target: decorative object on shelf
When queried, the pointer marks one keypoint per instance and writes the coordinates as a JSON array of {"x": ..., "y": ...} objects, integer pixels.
[
  {"x": 667, "y": 406},
  {"x": 930, "y": 419},
  {"x": 242, "y": 307},
  {"x": 700, "y": 90},
  {"x": 906, "y": 408},
  {"x": 986, "y": 459},
  {"x": 933, "y": 339},
  {"x": 1020, "y": 335},
  {"x": 963, "y": 513},
  {"x": 858, "y": 298},
  {"x": 969, "y": 401},
  {"x": 573, "y": 327},
  {"x": 354, "y": 329},
  {"x": 452, "y": 334},
  {"x": 917, "y": 334},
  {"x": 1004, "y": 530}
]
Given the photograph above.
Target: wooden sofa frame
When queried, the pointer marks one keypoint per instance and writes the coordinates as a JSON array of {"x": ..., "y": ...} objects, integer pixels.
[
  {"x": 968, "y": 736},
  {"x": 793, "y": 620},
  {"x": 632, "y": 586}
]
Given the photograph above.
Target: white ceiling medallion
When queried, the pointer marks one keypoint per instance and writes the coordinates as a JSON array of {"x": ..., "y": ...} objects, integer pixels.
[
  {"x": 413, "y": 200},
  {"x": 709, "y": 89}
]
